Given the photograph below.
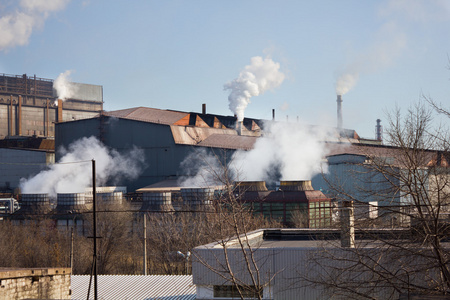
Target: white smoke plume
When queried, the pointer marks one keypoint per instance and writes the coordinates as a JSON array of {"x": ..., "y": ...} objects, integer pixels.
[
  {"x": 258, "y": 77},
  {"x": 201, "y": 169},
  {"x": 287, "y": 151},
  {"x": 68, "y": 176},
  {"x": 65, "y": 89},
  {"x": 388, "y": 44},
  {"x": 17, "y": 26}
]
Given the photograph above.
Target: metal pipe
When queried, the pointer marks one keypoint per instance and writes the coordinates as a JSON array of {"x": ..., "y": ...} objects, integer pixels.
[
  {"x": 11, "y": 116},
  {"x": 60, "y": 110},
  {"x": 19, "y": 115},
  {"x": 47, "y": 133},
  {"x": 204, "y": 108},
  {"x": 339, "y": 111}
]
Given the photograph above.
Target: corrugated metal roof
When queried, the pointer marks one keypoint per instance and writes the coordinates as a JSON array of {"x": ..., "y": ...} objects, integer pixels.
[
  {"x": 146, "y": 114},
  {"x": 229, "y": 141},
  {"x": 151, "y": 287},
  {"x": 211, "y": 137},
  {"x": 379, "y": 151}
]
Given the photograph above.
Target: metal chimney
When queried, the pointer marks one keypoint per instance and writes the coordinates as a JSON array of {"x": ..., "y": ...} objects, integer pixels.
[
  {"x": 273, "y": 114},
  {"x": 339, "y": 111},
  {"x": 379, "y": 131},
  {"x": 204, "y": 108},
  {"x": 239, "y": 127}
]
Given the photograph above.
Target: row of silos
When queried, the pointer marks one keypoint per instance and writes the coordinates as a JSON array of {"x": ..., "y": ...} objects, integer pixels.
[
  {"x": 66, "y": 203},
  {"x": 191, "y": 199}
]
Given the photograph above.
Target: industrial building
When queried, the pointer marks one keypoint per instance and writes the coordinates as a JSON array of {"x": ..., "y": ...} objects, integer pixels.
[
  {"x": 167, "y": 137},
  {"x": 29, "y": 106},
  {"x": 312, "y": 264},
  {"x": 29, "y": 110}
]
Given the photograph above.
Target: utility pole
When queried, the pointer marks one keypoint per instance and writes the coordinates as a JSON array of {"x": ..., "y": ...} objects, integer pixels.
[
  {"x": 145, "y": 243},
  {"x": 71, "y": 249},
  {"x": 95, "y": 228}
]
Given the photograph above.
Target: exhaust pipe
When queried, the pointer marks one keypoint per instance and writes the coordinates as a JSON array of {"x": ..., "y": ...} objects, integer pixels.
[{"x": 339, "y": 111}]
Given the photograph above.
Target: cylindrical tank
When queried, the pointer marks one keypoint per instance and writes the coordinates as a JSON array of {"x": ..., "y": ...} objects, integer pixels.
[
  {"x": 157, "y": 201},
  {"x": 250, "y": 186},
  {"x": 196, "y": 197},
  {"x": 111, "y": 198},
  {"x": 298, "y": 185},
  {"x": 71, "y": 202},
  {"x": 35, "y": 203}
]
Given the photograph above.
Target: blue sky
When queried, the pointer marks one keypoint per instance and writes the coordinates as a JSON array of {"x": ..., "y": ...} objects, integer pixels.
[{"x": 180, "y": 54}]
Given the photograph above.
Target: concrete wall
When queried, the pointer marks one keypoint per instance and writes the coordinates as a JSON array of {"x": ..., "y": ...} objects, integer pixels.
[{"x": 49, "y": 283}]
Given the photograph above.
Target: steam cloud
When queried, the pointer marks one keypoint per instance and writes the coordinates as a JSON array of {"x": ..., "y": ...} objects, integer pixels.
[
  {"x": 64, "y": 88},
  {"x": 388, "y": 45},
  {"x": 17, "y": 27},
  {"x": 70, "y": 177},
  {"x": 287, "y": 151},
  {"x": 202, "y": 169},
  {"x": 261, "y": 75}
]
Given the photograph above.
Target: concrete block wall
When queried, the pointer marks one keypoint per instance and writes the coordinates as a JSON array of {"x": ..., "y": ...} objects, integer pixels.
[{"x": 36, "y": 283}]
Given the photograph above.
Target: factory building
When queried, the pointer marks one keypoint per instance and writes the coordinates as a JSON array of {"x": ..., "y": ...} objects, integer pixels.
[
  {"x": 29, "y": 105},
  {"x": 167, "y": 137},
  {"x": 29, "y": 110}
]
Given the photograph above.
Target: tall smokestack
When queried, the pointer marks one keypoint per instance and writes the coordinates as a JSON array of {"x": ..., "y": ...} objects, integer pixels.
[
  {"x": 339, "y": 111},
  {"x": 204, "y": 108},
  {"x": 273, "y": 114},
  {"x": 239, "y": 125},
  {"x": 379, "y": 131}
]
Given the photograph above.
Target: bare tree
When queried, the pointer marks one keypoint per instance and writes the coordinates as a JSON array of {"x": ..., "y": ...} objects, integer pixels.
[
  {"x": 410, "y": 181},
  {"x": 238, "y": 266}
]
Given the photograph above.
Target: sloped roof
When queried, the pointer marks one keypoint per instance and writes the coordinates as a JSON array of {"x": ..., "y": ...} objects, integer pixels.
[
  {"x": 147, "y": 114},
  {"x": 229, "y": 141},
  {"x": 427, "y": 157},
  {"x": 135, "y": 287}
]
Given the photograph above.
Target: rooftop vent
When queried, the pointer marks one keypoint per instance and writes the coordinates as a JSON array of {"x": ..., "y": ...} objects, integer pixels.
[
  {"x": 251, "y": 186},
  {"x": 300, "y": 185}
]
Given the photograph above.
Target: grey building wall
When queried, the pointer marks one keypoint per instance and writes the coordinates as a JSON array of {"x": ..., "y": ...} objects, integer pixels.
[
  {"x": 354, "y": 175},
  {"x": 162, "y": 155},
  {"x": 19, "y": 163}
]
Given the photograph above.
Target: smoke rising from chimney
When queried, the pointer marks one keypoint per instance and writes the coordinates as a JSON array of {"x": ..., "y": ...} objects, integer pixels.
[
  {"x": 64, "y": 88},
  {"x": 255, "y": 79},
  {"x": 388, "y": 45},
  {"x": 17, "y": 26},
  {"x": 70, "y": 177}
]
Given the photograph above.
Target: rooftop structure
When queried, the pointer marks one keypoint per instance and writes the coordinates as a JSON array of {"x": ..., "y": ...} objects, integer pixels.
[
  {"x": 29, "y": 106},
  {"x": 305, "y": 264}
]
